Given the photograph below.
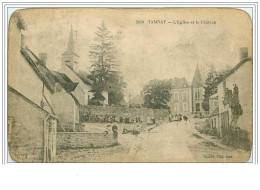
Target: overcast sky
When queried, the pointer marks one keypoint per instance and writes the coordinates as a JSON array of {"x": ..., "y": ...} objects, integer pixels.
[{"x": 145, "y": 51}]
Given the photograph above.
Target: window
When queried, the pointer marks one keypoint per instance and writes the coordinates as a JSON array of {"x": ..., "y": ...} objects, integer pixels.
[
  {"x": 185, "y": 107},
  {"x": 197, "y": 95},
  {"x": 197, "y": 105},
  {"x": 176, "y": 95},
  {"x": 176, "y": 107},
  {"x": 184, "y": 95}
]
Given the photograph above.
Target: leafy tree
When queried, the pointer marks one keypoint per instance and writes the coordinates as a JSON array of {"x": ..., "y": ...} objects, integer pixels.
[
  {"x": 157, "y": 94},
  {"x": 211, "y": 85},
  {"x": 104, "y": 71},
  {"x": 232, "y": 99}
]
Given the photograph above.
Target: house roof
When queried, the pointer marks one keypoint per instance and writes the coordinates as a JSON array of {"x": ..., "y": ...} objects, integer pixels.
[
  {"x": 98, "y": 96},
  {"x": 234, "y": 69},
  {"x": 83, "y": 76},
  {"x": 197, "y": 81},
  {"x": 65, "y": 82},
  {"x": 214, "y": 96},
  {"x": 40, "y": 69},
  {"x": 179, "y": 83},
  {"x": 48, "y": 77}
]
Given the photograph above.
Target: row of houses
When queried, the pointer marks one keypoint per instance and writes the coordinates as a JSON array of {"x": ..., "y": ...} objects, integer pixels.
[
  {"x": 239, "y": 77},
  {"x": 55, "y": 96}
]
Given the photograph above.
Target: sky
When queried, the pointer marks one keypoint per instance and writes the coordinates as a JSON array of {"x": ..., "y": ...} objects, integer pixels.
[{"x": 145, "y": 51}]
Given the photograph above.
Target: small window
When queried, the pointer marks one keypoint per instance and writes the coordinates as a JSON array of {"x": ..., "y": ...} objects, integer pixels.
[
  {"x": 197, "y": 95},
  {"x": 176, "y": 95},
  {"x": 185, "y": 107},
  {"x": 184, "y": 95}
]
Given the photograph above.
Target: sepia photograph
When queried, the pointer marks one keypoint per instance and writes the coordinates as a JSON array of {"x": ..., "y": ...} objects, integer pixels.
[{"x": 130, "y": 85}]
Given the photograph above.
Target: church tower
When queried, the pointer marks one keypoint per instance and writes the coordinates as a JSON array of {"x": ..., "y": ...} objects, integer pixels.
[
  {"x": 69, "y": 57},
  {"x": 197, "y": 92}
]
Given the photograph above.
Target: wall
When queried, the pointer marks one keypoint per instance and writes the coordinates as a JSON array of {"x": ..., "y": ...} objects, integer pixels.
[
  {"x": 82, "y": 90},
  {"x": 180, "y": 101},
  {"x": 125, "y": 111},
  {"x": 63, "y": 105},
  {"x": 20, "y": 74},
  {"x": 84, "y": 140},
  {"x": 243, "y": 79},
  {"x": 26, "y": 143}
]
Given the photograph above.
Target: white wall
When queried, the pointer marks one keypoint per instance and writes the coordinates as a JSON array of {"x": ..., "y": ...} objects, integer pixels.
[
  {"x": 243, "y": 79},
  {"x": 21, "y": 76}
]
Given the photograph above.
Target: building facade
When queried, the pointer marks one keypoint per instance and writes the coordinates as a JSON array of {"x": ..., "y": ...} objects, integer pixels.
[
  {"x": 239, "y": 77},
  {"x": 187, "y": 99}
]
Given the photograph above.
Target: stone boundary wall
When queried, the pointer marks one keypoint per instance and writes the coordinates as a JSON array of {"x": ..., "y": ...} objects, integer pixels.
[
  {"x": 84, "y": 140},
  {"x": 124, "y": 111}
]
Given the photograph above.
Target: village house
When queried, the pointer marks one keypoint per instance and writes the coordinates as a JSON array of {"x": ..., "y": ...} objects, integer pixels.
[
  {"x": 187, "y": 99},
  {"x": 238, "y": 76},
  {"x": 32, "y": 122}
]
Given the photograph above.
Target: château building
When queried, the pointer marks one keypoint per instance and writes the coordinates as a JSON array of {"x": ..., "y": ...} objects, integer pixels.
[{"x": 187, "y": 99}]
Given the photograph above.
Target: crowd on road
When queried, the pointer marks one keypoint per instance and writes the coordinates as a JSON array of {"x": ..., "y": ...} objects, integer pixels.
[
  {"x": 93, "y": 118},
  {"x": 177, "y": 117}
]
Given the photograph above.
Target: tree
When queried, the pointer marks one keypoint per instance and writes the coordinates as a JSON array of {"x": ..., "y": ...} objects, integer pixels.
[
  {"x": 104, "y": 71},
  {"x": 232, "y": 99},
  {"x": 157, "y": 94},
  {"x": 211, "y": 85}
]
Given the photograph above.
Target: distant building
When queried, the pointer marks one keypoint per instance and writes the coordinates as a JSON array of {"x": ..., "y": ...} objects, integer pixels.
[
  {"x": 181, "y": 97},
  {"x": 187, "y": 99}
]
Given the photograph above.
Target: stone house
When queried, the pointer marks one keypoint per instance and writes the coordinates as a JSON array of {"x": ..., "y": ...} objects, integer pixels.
[{"x": 31, "y": 120}]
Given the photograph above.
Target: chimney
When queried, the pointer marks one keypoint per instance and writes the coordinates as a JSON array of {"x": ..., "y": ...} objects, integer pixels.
[
  {"x": 243, "y": 53},
  {"x": 43, "y": 58},
  {"x": 22, "y": 41}
]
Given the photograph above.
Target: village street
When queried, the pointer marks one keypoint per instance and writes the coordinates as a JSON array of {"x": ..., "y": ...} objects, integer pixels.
[{"x": 168, "y": 142}]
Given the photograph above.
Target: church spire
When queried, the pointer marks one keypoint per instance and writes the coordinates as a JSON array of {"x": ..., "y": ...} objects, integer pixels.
[
  {"x": 70, "y": 47},
  {"x": 197, "y": 81}
]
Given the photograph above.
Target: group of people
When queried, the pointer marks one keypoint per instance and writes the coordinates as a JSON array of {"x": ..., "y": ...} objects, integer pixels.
[
  {"x": 94, "y": 118},
  {"x": 177, "y": 117}
]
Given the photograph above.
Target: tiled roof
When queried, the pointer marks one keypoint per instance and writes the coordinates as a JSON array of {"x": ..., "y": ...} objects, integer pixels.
[
  {"x": 179, "y": 83},
  {"x": 83, "y": 76},
  {"x": 65, "y": 82},
  {"x": 41, "y": 70},
  {"x": 235, "y": 69}
]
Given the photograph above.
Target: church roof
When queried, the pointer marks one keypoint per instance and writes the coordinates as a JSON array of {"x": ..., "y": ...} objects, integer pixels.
[
  {"x": 83, "y": 76},
  {"x": 197, "y": 81},
  {"x": 65, "y": 82},
  {"x": 179, "y": 83},
  {"x": 70, "y": 47}
]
